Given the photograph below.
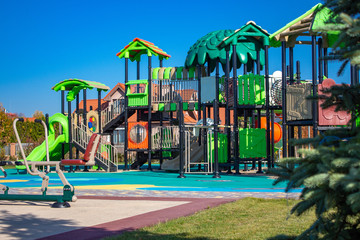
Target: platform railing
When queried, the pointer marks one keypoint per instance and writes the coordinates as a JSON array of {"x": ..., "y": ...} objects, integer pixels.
[
  {"x": 165, "y": 137},
  {"x": 106, "y": 153},
  {"x": 165, "y": 91},
  {"x": 112, "y": 111}
]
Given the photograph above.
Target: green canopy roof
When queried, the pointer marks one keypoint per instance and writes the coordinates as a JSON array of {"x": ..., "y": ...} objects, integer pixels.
[
  {"x": 310, "y": 23},
  {"x": 138, "y": 47},
  {"x": 74, "y": 86},
  {"x": 212, "y": 47}
]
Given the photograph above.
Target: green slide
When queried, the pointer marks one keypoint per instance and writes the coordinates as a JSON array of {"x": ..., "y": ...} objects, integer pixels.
[{"x": 39, "y": 153}]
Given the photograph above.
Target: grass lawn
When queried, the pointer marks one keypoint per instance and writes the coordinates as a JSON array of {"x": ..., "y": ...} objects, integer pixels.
[{"x": 248, "y": 218}]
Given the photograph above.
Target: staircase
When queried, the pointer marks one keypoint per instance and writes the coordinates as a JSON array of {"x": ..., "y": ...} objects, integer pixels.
[
  {"x": 107, "y": 156},
  {"x": 113, "y": 116}
]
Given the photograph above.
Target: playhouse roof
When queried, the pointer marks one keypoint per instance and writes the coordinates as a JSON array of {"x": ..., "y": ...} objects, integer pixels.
[
  {"x": 308, "y": 24},
  {"x": 75, "y": 85},
  {"x": 138, "y": 47},
  {"x": 212, "y": 47}
]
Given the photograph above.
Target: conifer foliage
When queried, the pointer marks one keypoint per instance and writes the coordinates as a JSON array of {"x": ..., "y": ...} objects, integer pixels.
[{"x": 330, "y": 172}]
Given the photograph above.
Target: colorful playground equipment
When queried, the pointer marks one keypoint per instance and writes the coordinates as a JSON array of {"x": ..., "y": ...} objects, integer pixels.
[
  {"x": 252, "y": 113},
  {"x": 61, "y": 201}
]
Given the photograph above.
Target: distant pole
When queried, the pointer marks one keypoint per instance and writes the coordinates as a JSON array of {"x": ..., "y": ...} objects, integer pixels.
[
  {"x": 149, "y": 113},
  {"x": 227, "y": 116},
  {"x": 216, "y": 123},
  {"x": 320, "y": 61},
  {"x": 268, "y": 118},
  {"x": 70, "y": 134}
]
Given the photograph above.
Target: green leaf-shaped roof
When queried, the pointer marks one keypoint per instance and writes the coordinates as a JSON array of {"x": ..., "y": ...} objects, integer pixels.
[
  {"x": 74, "y": 86},
  {"x": 206, "y": 49}
]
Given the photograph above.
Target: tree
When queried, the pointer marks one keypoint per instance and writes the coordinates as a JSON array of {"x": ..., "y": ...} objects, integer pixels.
[
  {"x": 38, "y": 115},
  {"x": 347, "y": 47},
  {"x": 330, "y": 173}
]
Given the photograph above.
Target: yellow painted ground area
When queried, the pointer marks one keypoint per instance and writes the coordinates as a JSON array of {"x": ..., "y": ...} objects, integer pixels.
[
  {"x": 113, "y": 187},
  {"x": 14, "y": 180}
]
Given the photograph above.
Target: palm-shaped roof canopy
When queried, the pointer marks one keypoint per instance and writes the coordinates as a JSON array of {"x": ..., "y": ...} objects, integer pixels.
[{"x": 211, "y": 47}]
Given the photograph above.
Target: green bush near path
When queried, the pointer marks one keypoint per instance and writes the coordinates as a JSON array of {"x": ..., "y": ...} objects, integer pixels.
[{"x": 248, "y": 218}]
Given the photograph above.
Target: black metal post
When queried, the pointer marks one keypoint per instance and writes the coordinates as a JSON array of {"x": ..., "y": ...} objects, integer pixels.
[
  {"x": 160, "y": 63},
  {"x": 199, "y": 98},
  {"x": 267, "y": 102},
  {"x": 63, "y": 112},
  {"x": 283, "y": 69},
  {"x": 77, "y": 123},
  {"x": 227, "y": 108},
  {"x": 291, "y": 65},
  {"x": 182, "y": 140},
  {"x": 326, "y": 71},
  {"x": 298, "y": 77},
  {"x": 236, "y": 123},
  {"x": 272, "y": 138},
  {"x": 85, "y": 117},
  {"x": 70, "y": 134},
  {"x": 126, "y": 145},
  {"x": 206, "y": 156},
  {"x": 258, "y": 66},
  {"x": 99, "y": 110},
  {"x": 320, "y": 61},
  {"x": 149, "y": 114},
  {"x": 216, "y": 123},
  {"x": 314, "y": 82},
  {"x": 138, "y": 69}
]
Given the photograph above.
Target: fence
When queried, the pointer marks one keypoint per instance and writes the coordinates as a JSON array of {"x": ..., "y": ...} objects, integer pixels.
[{"x": 112, "y": 111}]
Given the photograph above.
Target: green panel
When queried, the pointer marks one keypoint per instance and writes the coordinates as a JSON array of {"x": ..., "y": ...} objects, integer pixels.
[
  {"x": 251, "y": 89},
  {"x": 260, "y": 89},
  {"x": 252, "y": 143},
  {"x": 155, "y": 73},
  {"x": 222, "y": 147},
  {"x": 192, "y": 72},
  {"x": 196, "y": 106},
  {"x": 172, "y": 107},
  {"x": 137, "y": 99},
  {"x": 161, "y": 107},
  {"x": 185, "y": 106},
  {"x": 167, "y": 73},
  {"x": 179, "y": 72},
  {"x": 240, "y": 89},
  {"x": 246, "y": 89}
]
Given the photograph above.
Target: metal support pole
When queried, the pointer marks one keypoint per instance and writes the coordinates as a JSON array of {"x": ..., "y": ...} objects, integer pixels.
[
  {"x": 85, "y": 117},
  {"x": 216, "y": 123},
  {"x": 126, "y": 167},
  {"x": 298, "y": 77},
  {"x": 314, "y": 82},
  {"x": 77, "y": 123},
  {"x": 227, "y": 108},
  {"x": 149, "y": 114},
  {"x": 99, "y": 110},
  {"x": 291, "y": 65},
  {"x": 63, "y": 112},
  {"x": 182, "y": 140},
  {"x": 326, "y": 72},
  {"x": 320, "y": 61},
  {"x": 199, "y": 98},
  {"x": 272, "y": 138},
  {"x": 70, "y": 134},
  {"x": 267, "y": 100},
  {"x": 284, "y": 83},
  {"x": 236, "y": 123}
]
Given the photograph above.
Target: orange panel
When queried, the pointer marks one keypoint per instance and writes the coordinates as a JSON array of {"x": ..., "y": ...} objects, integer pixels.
[{"x": 138, "y": 135}]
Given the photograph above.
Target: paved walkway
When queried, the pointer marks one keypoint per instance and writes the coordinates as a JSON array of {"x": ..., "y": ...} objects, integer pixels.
[{"x": 110, "y": 203}]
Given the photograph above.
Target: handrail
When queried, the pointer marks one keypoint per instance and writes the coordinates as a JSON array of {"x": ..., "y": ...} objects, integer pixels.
[
  {"x": 112, "y": 111},
  {"x": 106, "y": 153}
]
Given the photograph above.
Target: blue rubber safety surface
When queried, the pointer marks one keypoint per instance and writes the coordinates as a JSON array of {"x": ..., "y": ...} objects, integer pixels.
[{"x": 154, "y": 181}]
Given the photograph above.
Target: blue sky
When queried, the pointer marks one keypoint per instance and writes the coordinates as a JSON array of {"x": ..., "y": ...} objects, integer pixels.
[{"x": 44, "y": 42}]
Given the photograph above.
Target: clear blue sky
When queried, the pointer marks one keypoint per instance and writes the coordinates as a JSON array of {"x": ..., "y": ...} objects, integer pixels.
[{"x": 44, "y": 42}]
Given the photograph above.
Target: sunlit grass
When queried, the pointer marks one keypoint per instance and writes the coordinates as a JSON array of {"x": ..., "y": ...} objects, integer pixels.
[{"x": 248, "y": 218}]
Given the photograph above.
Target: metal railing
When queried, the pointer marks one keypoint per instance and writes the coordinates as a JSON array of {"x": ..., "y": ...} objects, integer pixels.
[
  {"x": 165, "y": 137},
  {"x": 191, "y": 144},
  {"x": 165, "y": 91},
  {"x": 106, "y": 153},
  {"x": 112, "y": 111}
]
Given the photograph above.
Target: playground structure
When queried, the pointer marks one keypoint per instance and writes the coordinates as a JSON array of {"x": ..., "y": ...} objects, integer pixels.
[
  {"x": 251, "y": 112},
  {"x": 61, "y": 201}
]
